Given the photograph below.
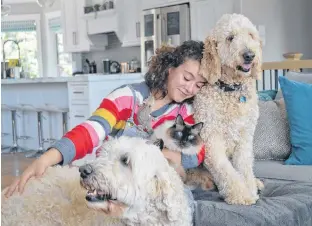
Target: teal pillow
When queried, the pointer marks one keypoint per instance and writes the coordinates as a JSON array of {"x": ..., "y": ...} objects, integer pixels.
[
  {"x": 267, "y": 95},
  {"x": 298, "y": 102}
]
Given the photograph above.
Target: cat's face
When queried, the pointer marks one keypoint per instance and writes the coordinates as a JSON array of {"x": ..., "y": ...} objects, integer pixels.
[{"x": 184, "y": 135}]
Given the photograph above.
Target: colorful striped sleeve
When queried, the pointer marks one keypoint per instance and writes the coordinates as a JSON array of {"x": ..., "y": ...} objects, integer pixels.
[
  {"x": 83, "y": 138},
  {"x": 191, "y": 161}
]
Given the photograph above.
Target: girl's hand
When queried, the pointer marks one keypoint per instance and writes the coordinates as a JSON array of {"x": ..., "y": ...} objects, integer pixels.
[{"x": 35, "y": 169}]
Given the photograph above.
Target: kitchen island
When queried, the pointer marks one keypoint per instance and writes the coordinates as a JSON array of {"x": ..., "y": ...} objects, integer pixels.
[{"x": 80, "y": 94}]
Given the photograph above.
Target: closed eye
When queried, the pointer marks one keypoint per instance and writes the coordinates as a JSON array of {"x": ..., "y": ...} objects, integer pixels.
[{"x": 188, "y": 76}]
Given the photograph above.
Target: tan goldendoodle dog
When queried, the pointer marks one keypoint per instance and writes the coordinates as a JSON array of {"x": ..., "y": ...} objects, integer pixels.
[{"x": 228, "y": 106}]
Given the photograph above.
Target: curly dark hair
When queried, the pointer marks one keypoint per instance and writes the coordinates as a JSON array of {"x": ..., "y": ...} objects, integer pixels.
[{"x": 170, "y": 57}]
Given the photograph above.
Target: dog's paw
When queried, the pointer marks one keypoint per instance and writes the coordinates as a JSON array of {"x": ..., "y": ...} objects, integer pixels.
[
  {"x": 252, "y": 186},
  {"x": 259, "y": 184},
  {"x": 241, "y": 200},
  {"x": 255, "y": 186},
  {"x": 241, "y": 194}
]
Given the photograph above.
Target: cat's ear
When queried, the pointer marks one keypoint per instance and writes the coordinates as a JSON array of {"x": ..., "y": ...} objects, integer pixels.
[
  {"x": 179, "y": 120},
  {"x": 197, "y": 127}
]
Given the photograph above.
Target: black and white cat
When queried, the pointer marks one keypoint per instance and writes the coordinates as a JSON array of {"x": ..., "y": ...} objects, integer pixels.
[
  {"x": 179, "y": 136},
  {"x": 176, "y": 135}
]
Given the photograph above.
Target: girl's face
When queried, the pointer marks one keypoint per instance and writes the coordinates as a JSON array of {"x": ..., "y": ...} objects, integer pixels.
[{"x": 184, "y": 81}]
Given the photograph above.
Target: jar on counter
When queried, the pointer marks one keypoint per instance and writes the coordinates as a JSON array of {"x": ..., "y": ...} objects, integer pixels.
[
  {"x": 124, "y": 67},
  {"x": 134, "y": 65}
]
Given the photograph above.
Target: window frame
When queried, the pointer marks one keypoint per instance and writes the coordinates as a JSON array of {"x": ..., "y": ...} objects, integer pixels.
[
  {"x": 51, "y": 48},
  {"x": 52, "y": 66},
  {"x": 37, "y": 19}
]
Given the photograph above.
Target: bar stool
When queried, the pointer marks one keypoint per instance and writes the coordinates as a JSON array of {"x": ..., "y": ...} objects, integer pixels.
[
  {"x": 50, "y": 109},
  {"x": 37, "y": 152},
  {"x": 4, "y": 135},
  {"x": 64, "y": 111},
  {"x": 4, "y": 146},
  {"x": 15, "y": 137}
]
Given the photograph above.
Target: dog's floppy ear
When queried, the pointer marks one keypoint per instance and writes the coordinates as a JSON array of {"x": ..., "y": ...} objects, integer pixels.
[
  {"x": 210, "y": 64},
  {"x": 256, "y": 71},
  {"x": 165, "y": 196}
]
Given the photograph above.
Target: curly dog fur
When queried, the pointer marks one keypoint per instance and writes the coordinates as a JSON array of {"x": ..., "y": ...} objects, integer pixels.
[
  {"x": 128, "y": 170},
  {"x": 232, "y": 56}
]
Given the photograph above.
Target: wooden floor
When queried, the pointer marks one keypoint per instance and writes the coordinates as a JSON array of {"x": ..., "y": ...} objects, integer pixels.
[{"x": 12, "y": 165}]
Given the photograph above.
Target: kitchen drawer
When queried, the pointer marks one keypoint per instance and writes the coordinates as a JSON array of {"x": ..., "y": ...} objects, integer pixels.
[
  {"x": 78, "y": 93},
  {"x": 78, "y": 114}
]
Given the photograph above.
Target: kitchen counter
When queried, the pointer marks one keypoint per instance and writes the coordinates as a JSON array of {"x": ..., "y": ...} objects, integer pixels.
[{"x": 76, "y": 78}]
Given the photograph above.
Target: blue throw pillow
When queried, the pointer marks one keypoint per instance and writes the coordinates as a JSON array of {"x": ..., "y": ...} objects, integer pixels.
[
  {"x": 298, "y": 102},
  {"x": 267, "y": 95}
]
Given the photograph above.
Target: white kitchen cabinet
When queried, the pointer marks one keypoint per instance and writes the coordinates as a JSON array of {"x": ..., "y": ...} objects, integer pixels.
[
  {"x": 206, "y": 13},
  {"x": 152, "y": 4},
  {"x": 104, "y": 22},
  {"x": 160, "y": 3},
  {"x": 78, "y": 114},
  {"x": 75, "y": 36},
  {"x": 130, "y": 17},
  {"x": 124, "y": 20},
  {"x": 84, "y": 97},
  {"x": 68, "y": 16}
]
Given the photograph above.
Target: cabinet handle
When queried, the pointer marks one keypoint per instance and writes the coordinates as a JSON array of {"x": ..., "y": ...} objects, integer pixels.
[
  {"x": 137, "y": 28},
  {"x": 79, "y": 116},
  {"x": 78, "y": 92},
  {"x": 75, "y": 38}
]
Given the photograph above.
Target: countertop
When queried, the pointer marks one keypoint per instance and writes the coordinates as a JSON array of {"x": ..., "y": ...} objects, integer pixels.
[{"x": 76, "y": 78}]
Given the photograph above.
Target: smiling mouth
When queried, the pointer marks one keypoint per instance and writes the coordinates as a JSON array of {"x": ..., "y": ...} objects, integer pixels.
[
  {"x": 184, "y": 94},
  {"x": 98, "y": 196},
  {"x": 244, "y": 67}
]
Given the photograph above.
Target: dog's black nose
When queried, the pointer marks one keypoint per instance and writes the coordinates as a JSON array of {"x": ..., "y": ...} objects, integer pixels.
[
  {"x": 85, "y": 170},
  {"x": 248, "y": 55}
]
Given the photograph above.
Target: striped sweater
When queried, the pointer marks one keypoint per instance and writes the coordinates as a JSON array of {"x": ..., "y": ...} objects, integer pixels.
[{"x": 111, "y": 117}]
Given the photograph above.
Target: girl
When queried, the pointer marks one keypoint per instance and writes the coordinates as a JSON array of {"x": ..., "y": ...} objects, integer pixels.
[{"x": 170, "y": 85}]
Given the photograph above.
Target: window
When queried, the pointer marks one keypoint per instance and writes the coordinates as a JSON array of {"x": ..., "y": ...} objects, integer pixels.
[
  {"x": 60, "y": 63},
  {"x": 19, "y": 34},
  {"x": 64, "y": 60}
]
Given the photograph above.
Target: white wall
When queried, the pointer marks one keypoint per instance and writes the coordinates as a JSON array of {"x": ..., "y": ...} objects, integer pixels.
[
  {"x": 288, "y": 26},
  {"x": 309, "y": 27}
]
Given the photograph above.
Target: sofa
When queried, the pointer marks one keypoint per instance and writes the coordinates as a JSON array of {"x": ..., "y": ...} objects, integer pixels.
[{"x": 287, "y": 197}]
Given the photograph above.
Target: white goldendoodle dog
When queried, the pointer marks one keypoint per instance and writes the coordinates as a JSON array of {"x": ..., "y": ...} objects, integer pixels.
[
  {"x": 228, "y": 106},
  {"x": 128, "y": 170}
]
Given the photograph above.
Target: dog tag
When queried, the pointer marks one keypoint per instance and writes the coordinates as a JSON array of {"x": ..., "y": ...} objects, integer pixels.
[{"x": 242, "y": 99}]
